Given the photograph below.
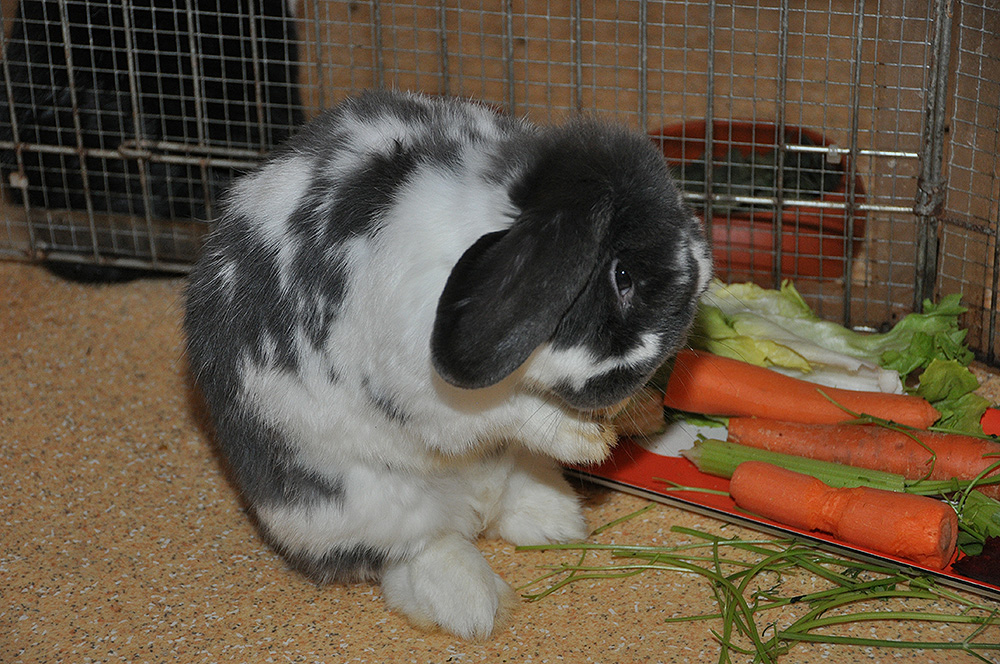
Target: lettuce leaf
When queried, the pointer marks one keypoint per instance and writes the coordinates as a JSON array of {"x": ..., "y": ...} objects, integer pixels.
[
  {"x": 911, "y": 344},
  {"x": 777, "y": 329},
  {"x": 950, "y": 387},
  {"x": 919, "y": 339}
]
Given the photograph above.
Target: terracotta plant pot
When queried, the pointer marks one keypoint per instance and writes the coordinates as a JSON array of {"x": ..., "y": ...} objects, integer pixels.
[{"x": 814, "y": 241}]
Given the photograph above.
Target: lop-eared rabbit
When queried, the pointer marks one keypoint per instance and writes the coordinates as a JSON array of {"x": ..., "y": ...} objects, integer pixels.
[{"x": 412, "y": 312}]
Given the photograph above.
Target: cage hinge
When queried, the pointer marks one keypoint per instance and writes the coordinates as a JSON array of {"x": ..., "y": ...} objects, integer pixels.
[{"x": 931, "y": 193}]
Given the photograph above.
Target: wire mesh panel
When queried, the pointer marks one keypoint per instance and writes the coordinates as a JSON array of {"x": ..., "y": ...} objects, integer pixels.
[
  {"x": 127, "y": 118},
  {"x": 970, "y": 216},
  {"x": 849, "y": 146}
]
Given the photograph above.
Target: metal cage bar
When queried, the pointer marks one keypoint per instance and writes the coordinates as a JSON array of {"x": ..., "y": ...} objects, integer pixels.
[{"x": 893, "y": 104}]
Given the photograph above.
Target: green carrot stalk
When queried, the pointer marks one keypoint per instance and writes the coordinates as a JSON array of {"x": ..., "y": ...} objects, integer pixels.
[{"x": 720, "y": 458}]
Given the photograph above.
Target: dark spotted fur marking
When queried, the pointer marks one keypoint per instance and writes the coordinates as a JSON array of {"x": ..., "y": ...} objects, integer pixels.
[{"x": 385, "y": 404}]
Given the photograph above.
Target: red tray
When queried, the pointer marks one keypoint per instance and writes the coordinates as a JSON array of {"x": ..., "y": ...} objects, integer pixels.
[{"x": 634, "y": 469}]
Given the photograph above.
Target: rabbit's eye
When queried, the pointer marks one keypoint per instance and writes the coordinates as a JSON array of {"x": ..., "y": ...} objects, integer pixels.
[{"x": 623, "y": 282}]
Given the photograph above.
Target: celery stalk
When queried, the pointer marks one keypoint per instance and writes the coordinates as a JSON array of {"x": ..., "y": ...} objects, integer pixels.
[{"x": 717, "y": 457}]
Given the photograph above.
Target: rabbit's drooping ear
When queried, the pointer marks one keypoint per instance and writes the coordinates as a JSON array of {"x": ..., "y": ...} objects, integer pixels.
[{"x": 507, "y": 294}]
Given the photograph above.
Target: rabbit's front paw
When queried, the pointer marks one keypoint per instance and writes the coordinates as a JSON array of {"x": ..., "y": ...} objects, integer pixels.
[
  {"x": 539, "y": 507},
  {"x": 580, "y": 441},
  {"x": 569, "y": 437},
  {"x": 449, "y": 585}
]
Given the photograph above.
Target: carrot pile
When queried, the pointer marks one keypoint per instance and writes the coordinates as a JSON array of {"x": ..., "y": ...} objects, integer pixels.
[{"x": 770, "y": 411}]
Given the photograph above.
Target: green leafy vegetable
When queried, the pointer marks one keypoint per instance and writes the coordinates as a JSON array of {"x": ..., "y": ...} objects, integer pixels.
[
  {"x": 919, "y": 339},
  {"x": 718, "y": 333},
  {"x": 747, "y": 310},
  {"x": 950, "y": 387},
  {"x": 776, "y": 328}
]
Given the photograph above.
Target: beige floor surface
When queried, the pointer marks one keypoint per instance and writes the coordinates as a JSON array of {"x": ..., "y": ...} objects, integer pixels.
[{"x": 120, "y": 539}]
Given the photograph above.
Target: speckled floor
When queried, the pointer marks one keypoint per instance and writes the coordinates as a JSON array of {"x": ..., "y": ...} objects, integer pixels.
[{"x": 122, "y": 541}]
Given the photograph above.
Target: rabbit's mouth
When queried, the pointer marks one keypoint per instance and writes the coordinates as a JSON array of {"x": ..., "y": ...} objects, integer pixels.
[{"x": 608, "y": 413}]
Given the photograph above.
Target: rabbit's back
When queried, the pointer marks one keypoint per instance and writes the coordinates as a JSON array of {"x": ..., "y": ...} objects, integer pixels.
[{"x": 316, "y": 293}]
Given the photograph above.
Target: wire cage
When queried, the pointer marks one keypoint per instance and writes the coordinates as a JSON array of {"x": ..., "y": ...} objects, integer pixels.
[{"x": 848, "y": 145}]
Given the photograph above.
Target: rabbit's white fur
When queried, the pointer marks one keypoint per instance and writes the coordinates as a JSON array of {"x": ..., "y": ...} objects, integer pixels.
[{"x": 414, "y": 467}]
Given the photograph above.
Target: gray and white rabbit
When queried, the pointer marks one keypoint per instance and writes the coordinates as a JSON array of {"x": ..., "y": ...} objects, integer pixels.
[{"x": 411, "y": 312}]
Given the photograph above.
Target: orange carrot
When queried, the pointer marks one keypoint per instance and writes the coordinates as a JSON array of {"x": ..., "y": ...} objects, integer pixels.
[
  {"x": 874, "y": 447},
  {"x": 916, "y": 528},
  {"x": 714, "y": 385}
]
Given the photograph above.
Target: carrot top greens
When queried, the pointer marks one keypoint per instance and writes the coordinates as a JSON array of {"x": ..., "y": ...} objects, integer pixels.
[{"x": 746, "y": 577}]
